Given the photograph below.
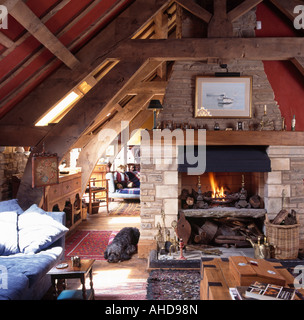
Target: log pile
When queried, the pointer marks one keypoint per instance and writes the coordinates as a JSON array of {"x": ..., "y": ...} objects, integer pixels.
[
  {"x": 285, "y": 218},
  {"x": 238, "y": 199},
  {"x": 226, "y": 232}
]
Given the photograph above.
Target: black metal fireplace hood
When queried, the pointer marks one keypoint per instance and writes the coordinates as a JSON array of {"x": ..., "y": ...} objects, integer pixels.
[{"x": 229, "y": 159}]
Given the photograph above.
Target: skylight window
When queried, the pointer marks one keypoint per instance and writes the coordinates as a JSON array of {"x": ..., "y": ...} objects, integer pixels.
[{"x": 58, "y": 109}]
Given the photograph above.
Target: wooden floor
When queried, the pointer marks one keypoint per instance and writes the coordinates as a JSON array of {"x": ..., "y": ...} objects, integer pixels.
[{"x": 112, "y": 274}]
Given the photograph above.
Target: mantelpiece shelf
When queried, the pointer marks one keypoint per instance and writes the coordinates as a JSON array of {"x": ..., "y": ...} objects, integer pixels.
[{"x": 257, "y": 138}]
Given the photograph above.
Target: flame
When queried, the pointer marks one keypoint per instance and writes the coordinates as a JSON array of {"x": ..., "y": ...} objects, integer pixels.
[{"x": 217, "y": 192}]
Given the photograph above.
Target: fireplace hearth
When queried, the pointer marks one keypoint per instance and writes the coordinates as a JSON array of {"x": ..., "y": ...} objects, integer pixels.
[
  {"x": 162, "y": 185},
  {"x": 226, "y": 193}
]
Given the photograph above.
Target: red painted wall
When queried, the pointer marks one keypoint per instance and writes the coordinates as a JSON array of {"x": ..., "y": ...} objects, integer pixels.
[{"x": 286, "y": 81}]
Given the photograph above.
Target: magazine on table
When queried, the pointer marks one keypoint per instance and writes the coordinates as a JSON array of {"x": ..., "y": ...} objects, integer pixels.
[{"x": 264, "y": 291}]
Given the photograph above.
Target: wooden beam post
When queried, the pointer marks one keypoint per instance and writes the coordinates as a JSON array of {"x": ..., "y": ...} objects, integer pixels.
[{"x": 220, "y": 26}]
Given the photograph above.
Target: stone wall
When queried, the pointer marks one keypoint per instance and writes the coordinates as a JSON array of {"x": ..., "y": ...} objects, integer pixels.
[
  {"x": 159, "y": 190},
  {"x": 11, "y": 164},
  {"x": 284, "y": 185}
]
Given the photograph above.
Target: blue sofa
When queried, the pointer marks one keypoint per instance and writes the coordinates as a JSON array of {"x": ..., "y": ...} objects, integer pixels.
[
  {"x": 125, "y": 193},
  {"x": 31, "y": 243}
]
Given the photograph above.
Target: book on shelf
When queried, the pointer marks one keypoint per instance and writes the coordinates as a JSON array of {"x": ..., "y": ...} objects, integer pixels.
[{"x": 265, "y": 291}]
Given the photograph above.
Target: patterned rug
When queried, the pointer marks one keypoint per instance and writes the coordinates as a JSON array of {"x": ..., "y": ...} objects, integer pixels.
[
  {"x": 173, "y": 285},
  {"x": 127, "y": 208},
  {"x": 88, "y": 244}
]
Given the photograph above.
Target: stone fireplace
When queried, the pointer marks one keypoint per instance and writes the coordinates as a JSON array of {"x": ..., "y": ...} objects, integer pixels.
[
  {"x": 280, "y": 186},
  {"x": 162, "y": 184}
]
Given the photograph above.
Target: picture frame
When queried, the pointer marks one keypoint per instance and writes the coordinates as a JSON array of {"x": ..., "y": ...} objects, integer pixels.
[
  {"x": 223, "y": 97},
  {"x": 45, "y": 170}
]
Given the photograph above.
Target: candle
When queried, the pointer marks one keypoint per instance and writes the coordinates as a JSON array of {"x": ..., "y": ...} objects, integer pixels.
[{"x": 265, "y": 109}]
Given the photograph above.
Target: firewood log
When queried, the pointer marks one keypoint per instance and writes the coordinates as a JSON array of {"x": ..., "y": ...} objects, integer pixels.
[
  {"x": 290, "y": 219},
  {"x": 255, "y": 201},
  {"x": 280, "y": 217},
  {"x": 209, "y": 230}
]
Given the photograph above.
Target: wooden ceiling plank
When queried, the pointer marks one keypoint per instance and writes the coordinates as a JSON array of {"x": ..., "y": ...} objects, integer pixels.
[
  {"x": 63, "y": 80},
  {"x": 195, "y": 9},
  {"x": 242, "y": 8},
  {"x": 21, "y": 12}
]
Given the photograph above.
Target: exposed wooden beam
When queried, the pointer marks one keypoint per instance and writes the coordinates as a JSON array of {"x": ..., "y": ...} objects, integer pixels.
[
  {"x": 21, "y": 135},
  {"x": 220, "y": 26},
  {"x": 195, "y": 9},
  {"x": 242, "y": 8},
  {"x": 287, "y": 7},
  {"x": 6, "y": 41},
  {"x": 161, "y": 32},
  {"x": 66, "y": 133},
  {"x": 51, "y": 63},
  {"x": 299, "y": 63},
  {"x": 22, "y": 13},
  {"x": 224, "y": 48},
  {"x": 96, "y": 147},
  {"x": 91, "y": 56},
  {"x": 154, "y": 87},
  {"x": 137, "y": 80}
]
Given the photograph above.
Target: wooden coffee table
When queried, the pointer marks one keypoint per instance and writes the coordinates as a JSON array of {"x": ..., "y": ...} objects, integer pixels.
[
  {"x": 71, "y": 272},
  {"x": 217, "y": 277}
]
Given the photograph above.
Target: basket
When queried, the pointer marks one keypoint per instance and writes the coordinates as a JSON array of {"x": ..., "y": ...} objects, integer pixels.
[{"x": 284, "y": 239}]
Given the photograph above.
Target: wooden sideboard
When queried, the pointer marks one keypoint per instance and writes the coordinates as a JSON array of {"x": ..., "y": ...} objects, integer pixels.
[{"x": 66, "y": 196}]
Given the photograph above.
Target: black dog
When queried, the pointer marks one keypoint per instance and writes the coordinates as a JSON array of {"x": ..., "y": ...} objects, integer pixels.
[{"x": 123, "y": 245}]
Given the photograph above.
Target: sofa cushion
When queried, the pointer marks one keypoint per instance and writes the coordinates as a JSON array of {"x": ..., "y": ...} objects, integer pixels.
[
  {"x": 37, "y": 230},
  {"x": 33, "y": 266},
  {"x": 8, "y": 233},
  {"x": 10, "y": 205},
  {"x": 14, "y": 283},
  {"x": 133, "y": 177}
]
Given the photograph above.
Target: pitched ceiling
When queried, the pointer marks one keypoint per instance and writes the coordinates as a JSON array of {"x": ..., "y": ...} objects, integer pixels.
[
  {"x": 42, "y": 35},
  {"x": 123, "y": 50}
]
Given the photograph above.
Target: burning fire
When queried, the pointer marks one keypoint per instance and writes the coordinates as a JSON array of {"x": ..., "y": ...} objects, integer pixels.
[{"x": 217, "y": 192}]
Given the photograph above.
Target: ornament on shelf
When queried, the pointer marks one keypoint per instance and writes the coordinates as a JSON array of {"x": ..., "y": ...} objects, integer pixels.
[{"x": 293, "y": 123}]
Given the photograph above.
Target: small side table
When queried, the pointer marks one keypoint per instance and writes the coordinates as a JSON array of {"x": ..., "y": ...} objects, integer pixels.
[{"x": 71, "y": 272}]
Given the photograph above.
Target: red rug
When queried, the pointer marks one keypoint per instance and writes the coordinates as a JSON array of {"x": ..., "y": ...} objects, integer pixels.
[
  {"x": 88, "y": 244},
  {"x": 127, "y": 208}
]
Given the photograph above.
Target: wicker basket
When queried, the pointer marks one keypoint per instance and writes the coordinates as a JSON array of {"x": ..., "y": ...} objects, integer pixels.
[{"x": 284, "y": 238}]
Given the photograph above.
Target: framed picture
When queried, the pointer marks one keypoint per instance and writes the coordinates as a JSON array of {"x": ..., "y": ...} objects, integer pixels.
[
  {"x": 44, "y": 170},
  {"x": 223, "y": 97}
]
